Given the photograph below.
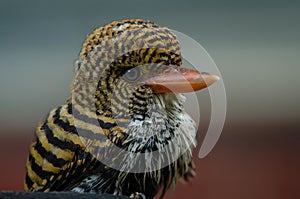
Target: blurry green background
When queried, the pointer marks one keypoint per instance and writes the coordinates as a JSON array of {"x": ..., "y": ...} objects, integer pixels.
[{"x": 255, "y": 44}]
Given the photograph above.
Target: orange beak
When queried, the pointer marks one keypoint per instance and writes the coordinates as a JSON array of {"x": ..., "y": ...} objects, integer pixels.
[{"x": 180, "y": 80}]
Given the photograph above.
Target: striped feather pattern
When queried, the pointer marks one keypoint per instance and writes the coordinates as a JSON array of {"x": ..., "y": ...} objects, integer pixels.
[{"x": 105, "y": 110}]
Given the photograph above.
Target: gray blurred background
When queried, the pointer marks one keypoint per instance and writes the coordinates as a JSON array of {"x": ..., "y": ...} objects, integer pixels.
[{"x": 255, "y": 44}]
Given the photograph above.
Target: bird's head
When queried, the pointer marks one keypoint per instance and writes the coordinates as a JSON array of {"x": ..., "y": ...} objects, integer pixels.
[{"x": 129, "y": 73}]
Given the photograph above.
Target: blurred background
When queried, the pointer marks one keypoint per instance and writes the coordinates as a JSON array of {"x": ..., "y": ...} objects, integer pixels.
[{"x": 255, "y": 44}]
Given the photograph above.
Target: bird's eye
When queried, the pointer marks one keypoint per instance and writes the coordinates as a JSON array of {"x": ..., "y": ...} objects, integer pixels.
[{"x": 132, "y": 74}]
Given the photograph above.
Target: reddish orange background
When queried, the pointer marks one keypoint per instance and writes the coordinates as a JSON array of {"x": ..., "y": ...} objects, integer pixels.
[{"x": 247, "y": 162}]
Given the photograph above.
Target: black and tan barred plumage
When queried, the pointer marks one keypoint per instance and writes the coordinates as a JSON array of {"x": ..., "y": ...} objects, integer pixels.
[{"x": 106, "y": 109}]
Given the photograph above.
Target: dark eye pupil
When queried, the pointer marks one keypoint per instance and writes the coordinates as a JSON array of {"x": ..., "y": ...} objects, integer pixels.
[{"x": 132, "y": 74}]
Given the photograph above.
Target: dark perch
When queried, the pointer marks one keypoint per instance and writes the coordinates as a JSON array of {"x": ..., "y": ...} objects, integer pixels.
[{"x": 55, "y": 195}]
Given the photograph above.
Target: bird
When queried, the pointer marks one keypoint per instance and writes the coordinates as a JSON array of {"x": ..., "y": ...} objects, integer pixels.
[{"x": 124, "y": 130}]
